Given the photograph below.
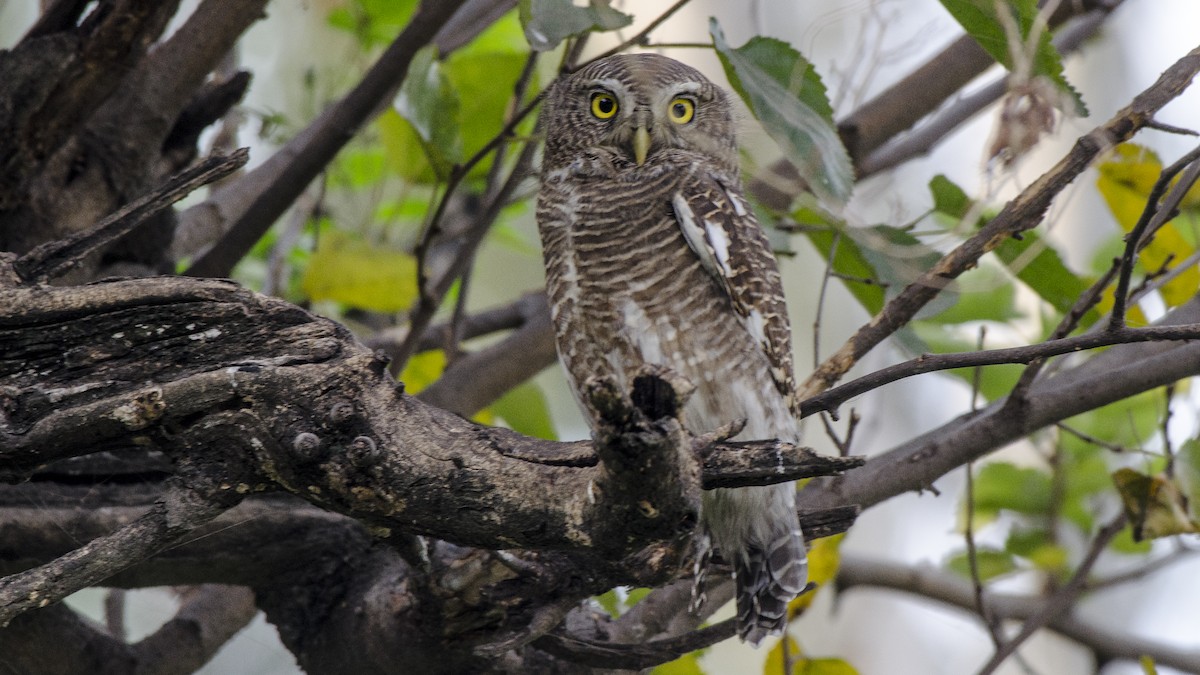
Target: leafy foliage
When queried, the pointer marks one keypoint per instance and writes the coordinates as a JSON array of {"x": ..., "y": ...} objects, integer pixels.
[
  {"x": 787, "y": 96},
  {"x": 803, "y": 665},
  {"x": 352, "y": 271},
  {"x": 982, "y": 21},
  {"x": 549, "y": 22}
]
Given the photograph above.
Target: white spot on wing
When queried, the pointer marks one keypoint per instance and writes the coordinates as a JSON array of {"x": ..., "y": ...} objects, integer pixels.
[
  {"x": 757, "y": 326},
  {"x": 739, "y": 207},
  {"x": 719, "y": 242}
]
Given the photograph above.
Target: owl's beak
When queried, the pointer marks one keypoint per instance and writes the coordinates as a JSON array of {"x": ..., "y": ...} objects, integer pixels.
[{"x": 641, "y": 144}]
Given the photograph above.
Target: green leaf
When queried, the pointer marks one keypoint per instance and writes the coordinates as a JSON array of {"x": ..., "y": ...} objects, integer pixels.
[
  {"x": 949, "y": 198},
  {"x": 486, "y": 80},
  {"x": 982, "y": 294},
  {"x": 1036, "y": 263},
  {"x": 784, "y": 92},
  {"x": 990, "y": 562},
  {"x": 849, "y": 262},
  {"x": 1035, "y": 545},
  {"x": 524, "y": 409},
  {"x": 1003, "y": 486},
  {"x": 898, "y": 259},
  {"x": 981, "y": 21},
  {"x": 349, "y": 270},
  {"x": 549, "y": 22},
  {"x": 422, "y": 370},
  {"x": 1187, "y": 468},
  {"x": 609, "y": 602},
  {"x": 373, "y": 22},
  {"x": 1125, "y": 180},
  {"x": 1127, "y": 423},
  {"x": 1124, "y": 543},
  {"x": 359, "y": 167},
  {"x": 635, "y": 595},
  {"x": 428, "y": 101}
]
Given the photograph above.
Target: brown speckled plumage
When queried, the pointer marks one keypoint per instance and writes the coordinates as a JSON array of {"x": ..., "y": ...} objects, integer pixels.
[{"x": 664, "y": 263}]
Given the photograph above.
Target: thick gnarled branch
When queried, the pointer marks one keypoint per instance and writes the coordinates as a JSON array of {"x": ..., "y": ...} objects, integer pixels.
[{"x": 267, "y": 396}]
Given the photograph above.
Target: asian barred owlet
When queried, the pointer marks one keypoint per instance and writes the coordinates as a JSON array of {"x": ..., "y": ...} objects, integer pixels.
[{"x": 654, "y": 257}]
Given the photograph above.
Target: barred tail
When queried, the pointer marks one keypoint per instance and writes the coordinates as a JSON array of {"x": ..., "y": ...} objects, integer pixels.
[
  {"x": 768, "y": 577},
  {"x": 756, "y": 530}
]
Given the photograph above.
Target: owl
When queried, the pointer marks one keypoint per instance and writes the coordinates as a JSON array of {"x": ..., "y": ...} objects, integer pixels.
[{"x": 654, "y": 258}]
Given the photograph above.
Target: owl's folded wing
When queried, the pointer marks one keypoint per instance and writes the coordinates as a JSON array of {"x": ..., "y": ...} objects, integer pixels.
[{"x": 721, "y": 229}]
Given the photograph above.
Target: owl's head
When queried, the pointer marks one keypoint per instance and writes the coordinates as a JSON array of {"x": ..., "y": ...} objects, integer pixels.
[{"x": 635, "y": 106}]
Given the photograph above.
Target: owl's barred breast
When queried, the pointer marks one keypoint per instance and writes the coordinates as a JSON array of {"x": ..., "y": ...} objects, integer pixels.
[
  {"x": 626, "y": 290},
  {"x": 653, "y": 258}
]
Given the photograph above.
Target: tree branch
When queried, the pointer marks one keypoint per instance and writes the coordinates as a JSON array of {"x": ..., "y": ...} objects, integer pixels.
[
  {"x": 1061, "y": 601},
  {"x": 55, "y": 258},
  {"x": 929, "y": 583},
  {"x": 246, "y": 210},
  {"x": 1022, "y": 213},
  {"x": 1120, "y": 372},
  {"x": 831, "y": 399},
  {"x": 178, "y": 512}
]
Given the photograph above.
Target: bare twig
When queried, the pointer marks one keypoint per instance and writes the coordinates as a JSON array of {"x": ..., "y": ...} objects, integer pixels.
[
  {"x": 55, "y": 258},
  {"x": 1154, "y": 216},
  {"x": 1023, "y": 213},
  {"x": 933, "y": 584},
  {"x": 432, "y": 291},
  {"x": 633, "y": 656},
  {"x": 264, "y": 193},
  {"x": 179, "y": 511},
  {"x": 830, "y": 400},
  {"x": 1061, "y": 601},
  {"x": 640, "y": 36}
]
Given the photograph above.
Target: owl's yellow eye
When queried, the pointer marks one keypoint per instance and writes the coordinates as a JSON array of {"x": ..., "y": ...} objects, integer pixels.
[
  {"x": 681, "y": 111},
  {"x": 604, "y": 106}
]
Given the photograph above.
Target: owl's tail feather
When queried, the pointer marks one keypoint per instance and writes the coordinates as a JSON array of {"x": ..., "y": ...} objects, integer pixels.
[{"x": 768, "y": 577}]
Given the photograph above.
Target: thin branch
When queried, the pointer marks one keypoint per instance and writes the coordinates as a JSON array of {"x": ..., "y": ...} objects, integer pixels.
[
  {"x": 1022, "y": 213},
  {"x": 940, "y": 586},
  {"x": 1089, "y": 299},
  {"x": 830, "y": 400},
  {"x": 54, "y": 258},
  {"x": 180, "y": 511},
  {"x": 1154, "y": 216},
  {"x": 640, "y": 36},
  {"x": 922, "y": 139},
  {"x": 633, "y": 656},
  {"x": 981, "y": 605},
  {"x": 432, "y": 293},
  {"x": 208, "y": 618},
  {"x": 1062, "y": 600},
  {"x": 915, "y": 464},
  {"x": 263, "y": 194}
]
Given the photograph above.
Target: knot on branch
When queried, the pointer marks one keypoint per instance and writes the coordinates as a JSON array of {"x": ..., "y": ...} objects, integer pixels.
[{"x": 648, "y": 488}]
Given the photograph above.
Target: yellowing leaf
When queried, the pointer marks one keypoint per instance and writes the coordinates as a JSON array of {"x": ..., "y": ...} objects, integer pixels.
[
  {"x": 352, "y": 271},
  {"x": 774, "y": 662},
  {"x": 423, "y": 370},
  {"x": 524, "y": 409},
  {"x": 801, "y": 665},
  {"x": 688, "y": 664},
  {"x": 823, "y": 667},
  {"x": 824, "y": 557},
  {"x": 1153, "y": 504},
  {"x": 1125, "y": 182}
]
